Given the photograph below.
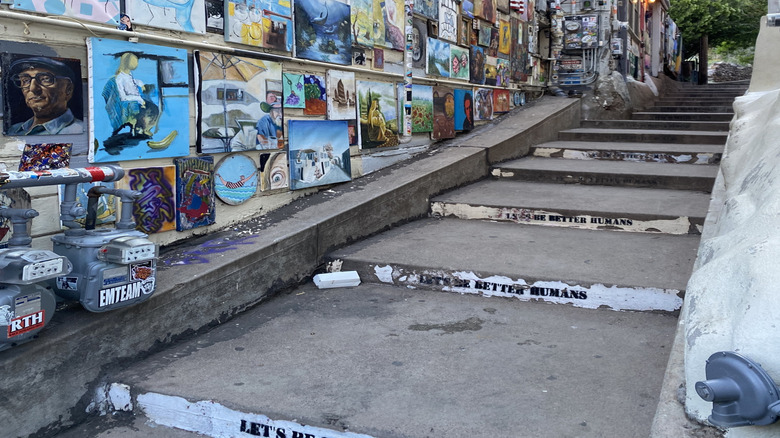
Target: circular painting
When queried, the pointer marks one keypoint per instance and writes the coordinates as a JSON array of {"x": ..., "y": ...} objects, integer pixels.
[{"x": 235, "y": 179}]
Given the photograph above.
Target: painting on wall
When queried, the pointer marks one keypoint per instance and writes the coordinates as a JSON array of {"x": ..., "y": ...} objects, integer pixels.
[
  {"x": 491, "y": 71},
  {"x": 438, "y": 59},
  {"x": 292, "y": 91},
  {"x": 443, "y": 113},
  {"x": 139, "y": 101},
  {"x": 237, "y": 109},
  {"x": 315, "y": 92},
  {"x": 186, "y": 15},
  {"x": 448, "y": 20},
  {"x": 235, "y": 179},
  {"x": 378, "y": 114},
  {"x": 459, "y": 63},
  {"x": 483, "y": 104},
  {"x": 379, "y": 59},
  {"x": 362, "y": 20},
  {"x": 502, "y": 72},
  {"x": 45, "y": 156},
  {"x": 427, "y": 8},
  {"x": 260, "y": 23},
  {"x": 504, "y": 37},
  {"x": 483, "y": 37},
  {"x": 341, "y": 95},
  {"x": 358, "y": 57},
  {"x": 389, "y": 24},
  {"x": 195, "y": 198},
  {"x": 43, "y": 95},
  {"x": 100, "y": 11},
  {"x": 155, "y": 210},
  {"x": 467, "y": 9},
  {"x": 319, "y": 153},
  {"x": 322, "y": 31},
  {"x": 422, "y": 108},
  {"x": 486, "y": 10},
  {"x": 502, "y": 6},
  {"x": 464, "y": 109},
  {"x": 419, "y": 43},
  {"x": 215, "y": 16},
  {"x": 501, "y": 101},
  {"x": 274, "y": 171},
  {"x": 464, "y": 31},
  {"x": 477, "y": 66},
  {"x": 106, "y": 209},
  {"x": 519, "y": 57}
]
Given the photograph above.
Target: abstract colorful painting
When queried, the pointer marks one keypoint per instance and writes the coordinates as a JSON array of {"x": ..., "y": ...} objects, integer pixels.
[
  {"x": 443, "y": 113},
  {"x": 448, "y": 20},
  {"x": 362, "y": 20},
  {"x": 427, "y": 8},
  {"x": 483, "y": 104},
  {"x": 322, "y": 31},
  {"x": 341, "y": 95},
  {"x": 184, "y": 15},
  {"x": 237, "y": 110},
  {"x": 419, "y": 42},
  {"x": 504, "y": 37},
  {"x": 486, "y": 10},
  {"x": 106, "y": 209},
  {"x": 422, "y": 108},
  {"x": 101, "y": 11},
  {"x": 155, "y": 211},
  {"x": 378, "y": 114},
  {"x": 261, "y": 23},
  {"x": 501, "y": 102},
  {"x": 477, "y": 69},
  {"x": 316, "y": 96},
  {"x": 464, "y": 109},
  {"x": 438, "y": 59},
  {"x": 139, "y": 101},
  {"x": 319, "y": 153},
  {"x": 31, "y": 108},
  {"x": 274, "y": 171},
  {"x": 292, "y": 91},
  {"x": 45, "y": 156},
  {"x": 389, "y": 24},
  {"x": 195, "y": 197},
  {"x": 502, "y": 72},
  {"x": 235, "y": 179},
  {"x": 459, "y": 62}
]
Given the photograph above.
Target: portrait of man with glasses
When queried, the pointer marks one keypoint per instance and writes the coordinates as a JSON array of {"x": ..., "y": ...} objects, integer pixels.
[{"x": 50, "y": 90}]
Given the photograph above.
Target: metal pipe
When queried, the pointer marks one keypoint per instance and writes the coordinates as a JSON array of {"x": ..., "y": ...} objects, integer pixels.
[{"x": 15, "y": 180}]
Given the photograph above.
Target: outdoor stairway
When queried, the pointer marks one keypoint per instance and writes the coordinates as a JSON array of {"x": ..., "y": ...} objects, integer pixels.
[{"x": 608, "y": 215}]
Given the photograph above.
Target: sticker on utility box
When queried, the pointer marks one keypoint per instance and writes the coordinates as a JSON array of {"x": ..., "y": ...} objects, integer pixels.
[
  {"x": 141, "y": 283},
  {"x": 31, "y": 315}
]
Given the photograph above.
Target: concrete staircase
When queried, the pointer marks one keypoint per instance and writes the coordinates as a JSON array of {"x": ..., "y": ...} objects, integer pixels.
[{"x": 608, "y": 215}]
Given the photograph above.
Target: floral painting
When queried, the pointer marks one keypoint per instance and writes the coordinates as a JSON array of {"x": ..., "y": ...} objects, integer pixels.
[
  {"x": 139, "y": 101},
  {"x": 185, "y": 15},
  {"x": 422, "y": 108},
  {"x": 438, "y": 59},
  {"x": 319, "y": 153},
  {"x": 459, "y": 62},
  {"x": 378, "y": 114},
  {"x": 239, "y": 105},
  {"x": 292, "y": 91},
  {"x": 195, "y": 197},
  {"x": 322, "y": 31},
  {"x": 341, "y": 95},
  {"x": 316, "y": 103},
  {"x": 443, "y": 113},
  {"x": 464, "y": 109},
  {"x": 261, "y": 23}
]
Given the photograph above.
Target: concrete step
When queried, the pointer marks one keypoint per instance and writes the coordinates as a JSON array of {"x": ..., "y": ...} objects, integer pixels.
[
  {"x": 644, "y": 136},
  {"x": 577, "y": 206},
  {"x": 694, "y": 101},
  {"x": 583, "y": 268},
  {"x": 658, "y": 124},
  {"x": 688, "y": 116},
  {"x": 692, "y": 109},
  {"x": 609, "y": 173},
  {"x": 638, "y": 152}
]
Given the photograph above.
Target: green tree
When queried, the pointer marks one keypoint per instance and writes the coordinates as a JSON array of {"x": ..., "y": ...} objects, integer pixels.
[{"x": 716, "y": 22}]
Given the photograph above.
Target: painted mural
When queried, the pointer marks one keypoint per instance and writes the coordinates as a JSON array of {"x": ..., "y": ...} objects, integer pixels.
[
  {"x": 274, "y": 171},
  {"x": 459, "y": 63},
  {"x": 261, "y": 23},
  {"x": 195, "y": 197},
  {"x": 483, "y": 104},
  {"x": 237, "y": 108},
  {"x": 314, "y": 90},
  {"x": 106, "y": 204},
  {"x": 292, "y": 91},
  {"x": 341, "y": 95},
  {"x": 438, "y": 59},
  {"x": 443, "y": 113},
  {"x": 389, "y": 24},
  {"x": 448, "y": 20},
  {"x": 422, "y": 108},
  {"x": 378, "y": 114},
  {"x": 42, "y": 95},
  {"x": 464, "y": 109},
  {"x": 322, "y": 31},
  {"x": 101, "y": 11},
  {"x": 362, "y": 22},
  {"x": 45, "y": 156},
  {"x": 138, "y": 96},
  {"x": 477, "y": 66},
  {"x": 155, "y": 211},
  {"x": 183, "y": 15},
  {"x": 319, "y": 153},
  {"x": 235, "y": 179}
]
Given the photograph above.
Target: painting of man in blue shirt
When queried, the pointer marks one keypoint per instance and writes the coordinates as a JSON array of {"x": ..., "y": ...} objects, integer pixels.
[{"x": 47, "y": 87}]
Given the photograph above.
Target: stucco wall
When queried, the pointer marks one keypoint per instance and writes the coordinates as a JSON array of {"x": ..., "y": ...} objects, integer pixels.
[{"x": 731, "y": 300}]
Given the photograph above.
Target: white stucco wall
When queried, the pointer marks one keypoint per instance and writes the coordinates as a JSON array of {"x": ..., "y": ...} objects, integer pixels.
[{"x": 732, "y": 301}]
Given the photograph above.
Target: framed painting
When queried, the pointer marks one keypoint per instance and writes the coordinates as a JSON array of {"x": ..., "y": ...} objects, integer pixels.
[
  {"x": 341, "y": 95},
  {"x": 464, "y": 109},
  {"x": 292, "y": 90},
  {"x": 235, "y": 179},
  {"x": 215, "y": 16},
  {"x": 195, "y": 198},
  {"x": 187, "y": 15},
  {"x": 378, "y": 114},
  {"x": 319, "y": 153},
  {"x": 443, "y": 113},
  {"x": 327, "y": 39},
  {"x": 139, "y": 101}
]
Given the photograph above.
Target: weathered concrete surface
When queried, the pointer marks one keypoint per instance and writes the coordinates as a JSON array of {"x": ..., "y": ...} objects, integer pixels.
[
  {"x": 210, "y": 279},
  {"x": 395, "y": 362}
]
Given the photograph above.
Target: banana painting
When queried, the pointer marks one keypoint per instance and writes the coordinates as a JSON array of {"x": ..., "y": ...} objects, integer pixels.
[{"x": 164, "y": 143}]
